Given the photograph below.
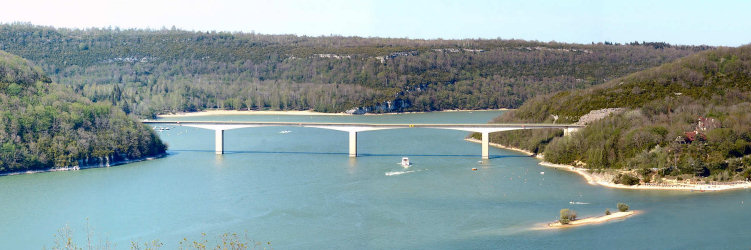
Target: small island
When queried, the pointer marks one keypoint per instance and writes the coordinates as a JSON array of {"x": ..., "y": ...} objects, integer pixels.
[
  {"x": 593, "y": 220},
  {"x": 569, "y": 219}
]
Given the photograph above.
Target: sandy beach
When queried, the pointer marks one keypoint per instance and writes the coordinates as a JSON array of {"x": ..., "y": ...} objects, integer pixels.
[
  {"x": 605, "y": 179},
  {"x": 592, "y": 220}
]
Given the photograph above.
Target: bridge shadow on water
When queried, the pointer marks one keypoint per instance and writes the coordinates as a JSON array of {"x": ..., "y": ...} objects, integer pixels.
[{"x": 339, "y": 153}]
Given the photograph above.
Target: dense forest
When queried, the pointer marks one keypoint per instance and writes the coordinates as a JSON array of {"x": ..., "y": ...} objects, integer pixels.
[
  {"x": 147, "y": 72},
  {"x": 689, "y": 118},
  {"x": 44, "y": 125}
]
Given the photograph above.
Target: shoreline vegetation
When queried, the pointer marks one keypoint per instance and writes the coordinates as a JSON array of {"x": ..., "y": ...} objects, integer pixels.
[
  {"x": 606, "y": 179},
  {"x": 592, "y": 220},
  {"x": 78, "y": 167},
  {"x": 216, "y": 112}
]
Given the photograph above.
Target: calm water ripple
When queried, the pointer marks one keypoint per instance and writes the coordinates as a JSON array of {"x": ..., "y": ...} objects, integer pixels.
[{"x": 299, "y": 190}]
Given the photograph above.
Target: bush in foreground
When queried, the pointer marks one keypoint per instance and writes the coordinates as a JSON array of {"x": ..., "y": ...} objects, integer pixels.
[
  {"x": 622, "y": 207},
  {"x": 64, "y": 240}
]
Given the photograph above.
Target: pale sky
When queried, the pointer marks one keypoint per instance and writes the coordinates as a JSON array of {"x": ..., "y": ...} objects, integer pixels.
[{"x": 723, "y": 22}]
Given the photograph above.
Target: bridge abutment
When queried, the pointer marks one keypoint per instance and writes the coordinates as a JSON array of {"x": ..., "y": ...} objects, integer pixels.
[{"x": 569, "y": 131}]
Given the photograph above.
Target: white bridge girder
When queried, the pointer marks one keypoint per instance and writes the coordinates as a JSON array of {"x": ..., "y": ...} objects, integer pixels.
[
  {"x": 219, "y": 133},
  {"x": 352, "y": 135},
  {"x": 485, "y": 154},
  {"x": 353, "y": 129}
]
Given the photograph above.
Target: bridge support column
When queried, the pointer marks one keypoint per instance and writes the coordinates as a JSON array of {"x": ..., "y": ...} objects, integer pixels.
[
  {"x": 219, "y": 139},
  {"x": 352, "y": 144},
  {"x": 485, "y": 142}
]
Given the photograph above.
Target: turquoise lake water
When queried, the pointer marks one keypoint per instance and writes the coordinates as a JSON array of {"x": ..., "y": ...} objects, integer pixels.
[{"x": 300, "y": 190}]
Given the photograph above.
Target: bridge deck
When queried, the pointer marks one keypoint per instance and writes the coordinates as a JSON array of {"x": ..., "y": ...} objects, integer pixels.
[
  {"x": 374, "y": 125},
  {"x": 353, "y": 128}
]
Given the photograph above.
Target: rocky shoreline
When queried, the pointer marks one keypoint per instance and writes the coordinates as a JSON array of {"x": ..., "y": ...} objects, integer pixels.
[
  {"x": 606, "y": 180},
  {"x": 79, "y": 167}
]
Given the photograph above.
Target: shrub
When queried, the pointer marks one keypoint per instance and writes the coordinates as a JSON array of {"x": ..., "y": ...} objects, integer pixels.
[
  {"x": 607, "y": 211},
  {"x": 622, "y": 207},
  {"x": 567, "y": 215},
  {"x": 625, "y": 179},
  {"x": 647, "y": 178}
]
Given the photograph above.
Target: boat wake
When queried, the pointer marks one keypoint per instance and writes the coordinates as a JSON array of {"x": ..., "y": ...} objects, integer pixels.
[
  {"x": 392, "y": 173},
  {"x": 398, "y": 172},
  {"x": 578, "y": 203}
]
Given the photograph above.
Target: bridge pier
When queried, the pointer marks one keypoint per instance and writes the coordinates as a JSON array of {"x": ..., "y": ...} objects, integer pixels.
[
  {"x": 352, "y": 143},
  {"x": 485, "y": 142},
  {"x": 219, "y": 140}
]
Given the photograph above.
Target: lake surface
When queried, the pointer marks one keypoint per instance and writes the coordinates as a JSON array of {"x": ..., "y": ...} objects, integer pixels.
[{"x": 300, "y": 190}]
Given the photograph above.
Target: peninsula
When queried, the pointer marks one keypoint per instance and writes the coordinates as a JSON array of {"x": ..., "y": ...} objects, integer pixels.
[
  {"x": 679, "y": 126},
  {"x": 46, "y": 127}
]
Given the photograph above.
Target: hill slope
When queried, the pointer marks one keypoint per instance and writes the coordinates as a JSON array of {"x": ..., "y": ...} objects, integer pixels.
[
  {"x": 686, "y": 118},
  {"x": 45, "y": 125},
  {"x": 160, "y": 71}
]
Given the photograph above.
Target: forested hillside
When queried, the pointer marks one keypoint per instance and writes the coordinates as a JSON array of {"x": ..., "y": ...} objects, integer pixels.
[
  {"x": 687, "y": 118},
  {"x": 45, "y": 125},
  {"x": 160, "y": 71}
]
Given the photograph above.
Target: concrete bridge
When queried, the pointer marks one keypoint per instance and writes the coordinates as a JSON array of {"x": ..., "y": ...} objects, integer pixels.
[{"x": 353, "y": 128}]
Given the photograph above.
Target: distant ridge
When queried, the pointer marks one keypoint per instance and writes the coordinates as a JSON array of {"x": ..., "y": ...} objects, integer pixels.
[{"x": 149, "y": 72}]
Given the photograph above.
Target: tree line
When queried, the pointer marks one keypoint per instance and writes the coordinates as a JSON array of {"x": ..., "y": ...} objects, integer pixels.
[{"x": 147, "y": 72}]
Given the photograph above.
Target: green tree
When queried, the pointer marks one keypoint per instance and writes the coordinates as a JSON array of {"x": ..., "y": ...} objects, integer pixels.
[{"x": 566, "y": 216}]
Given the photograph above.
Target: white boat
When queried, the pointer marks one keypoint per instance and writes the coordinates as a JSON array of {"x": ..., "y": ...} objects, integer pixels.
[
  {"x": 159, "y": 129},
  {"x": 405, "y": 162}
]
